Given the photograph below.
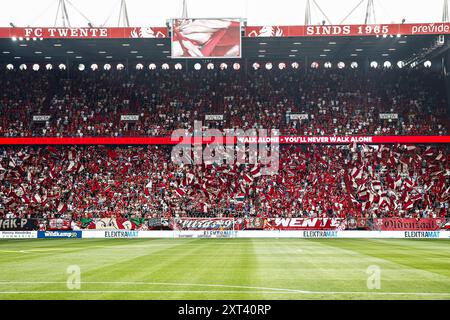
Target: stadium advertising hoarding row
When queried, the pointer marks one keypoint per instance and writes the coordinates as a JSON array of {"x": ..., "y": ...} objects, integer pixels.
[
  {"x": 104, "y": 234},
  {"x": 250, "y": 31},
  {"x": 223, "y": 224},
  {"x": 233, "y": 140}
]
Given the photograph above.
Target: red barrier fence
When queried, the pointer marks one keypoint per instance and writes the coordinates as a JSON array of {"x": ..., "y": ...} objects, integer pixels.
[
  {"x": 356, "y": 30},
  {"x": 232, "y": 140}
]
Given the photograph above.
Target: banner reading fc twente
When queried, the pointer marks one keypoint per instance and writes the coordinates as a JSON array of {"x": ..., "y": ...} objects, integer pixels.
[
  {"x": 207, "y": 224},
  {"x": 407, "y": 224},
  {"x": 83, "y": 33},
  {"x": 304, "y": 223}
]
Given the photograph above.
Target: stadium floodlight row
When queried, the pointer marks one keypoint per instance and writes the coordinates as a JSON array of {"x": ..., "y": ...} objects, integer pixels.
[{"x": 223, "y": 66}]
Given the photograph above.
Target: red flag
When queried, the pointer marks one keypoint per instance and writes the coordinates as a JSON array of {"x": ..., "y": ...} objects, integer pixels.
[
  {"x": 62, "y": 208},
  {"x": 180, "y": 192}
]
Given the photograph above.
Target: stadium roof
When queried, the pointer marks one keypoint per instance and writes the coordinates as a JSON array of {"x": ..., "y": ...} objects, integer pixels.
[
  {"x": 257, "y": 12},
  {"x": 272, "y": 48}
]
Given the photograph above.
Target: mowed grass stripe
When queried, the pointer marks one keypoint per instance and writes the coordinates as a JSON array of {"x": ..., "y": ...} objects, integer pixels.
[{"x": 402, "y": 268}]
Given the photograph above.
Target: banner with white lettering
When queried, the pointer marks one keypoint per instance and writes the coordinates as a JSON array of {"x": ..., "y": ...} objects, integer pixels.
[
  {"x": 129, "y": 117},
  {"x": 19, "y": 224},
  {"x": 213, "y": 117},
  {"x": 393, "y": 116},
  {"x": 83, "y": 33},
  {"x": 207, "y": 224},
  {"x": 303, "y": 223},
  {"x": 406, "y": 224},
  {"x": 158, "y": 224},
  {"x": 41, "y": 118},
  {"x": 298, "y": 116}
]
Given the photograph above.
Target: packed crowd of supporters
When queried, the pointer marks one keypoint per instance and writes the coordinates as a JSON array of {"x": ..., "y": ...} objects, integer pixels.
[
  {"x": 336, "y": 102},
  {"x": 143, "y": 182}
]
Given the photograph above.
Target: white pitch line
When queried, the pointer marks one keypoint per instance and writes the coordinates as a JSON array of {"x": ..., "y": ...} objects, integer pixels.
[
  {"x": 273, "y": 290},
  {"x": 146, "y": 291},
  {"x": 155, "y": 283},
  {"x": 218, "y": 292}
]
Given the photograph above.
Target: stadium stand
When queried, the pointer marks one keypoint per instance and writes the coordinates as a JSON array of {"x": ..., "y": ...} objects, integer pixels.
[
  {"x": 141, "y": 181},
  {"x": 338, "y": 102}
]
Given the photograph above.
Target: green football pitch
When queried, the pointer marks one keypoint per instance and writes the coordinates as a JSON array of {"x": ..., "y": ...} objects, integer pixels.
[{"x": 224, "y": 269}]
